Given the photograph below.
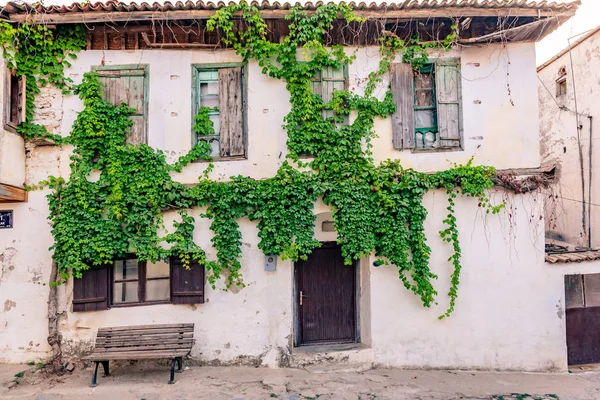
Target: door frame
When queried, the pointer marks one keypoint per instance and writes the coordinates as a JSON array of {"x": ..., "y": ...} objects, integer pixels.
[{"x": 297, "y": 325}]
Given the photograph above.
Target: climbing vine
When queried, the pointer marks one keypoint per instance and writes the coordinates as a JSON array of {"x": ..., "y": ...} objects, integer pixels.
[
  {"x": 377, "y": 208},
  {"x": 40, "y": 54}
]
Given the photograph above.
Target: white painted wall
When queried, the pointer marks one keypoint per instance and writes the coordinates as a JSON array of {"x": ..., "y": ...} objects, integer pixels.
[
  {"x": 559, "y": 144},
  {"x": 509, "y": 313}
]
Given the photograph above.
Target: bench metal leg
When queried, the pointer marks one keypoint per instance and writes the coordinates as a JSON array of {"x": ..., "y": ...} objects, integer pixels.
[
  {"x": 105, "y": 368},
  {"x": 179, "y": 364},
  {"x": 95, "y": 375},
  {"x": 172, "y": 381}
]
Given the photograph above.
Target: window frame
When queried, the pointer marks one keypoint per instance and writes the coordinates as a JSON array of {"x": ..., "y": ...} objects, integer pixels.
[
  {"x": 141, "y": 67},
  {"x": 560, "y": 82},
  {"x": 142, "y": 282},
  {"x": 433, "y": 107},
  {"x": 196, "y": 68},
  {"x": 460, "y": 147},
  {"x": 10, "y": 124},
  {"x": 345, "y": 79}
]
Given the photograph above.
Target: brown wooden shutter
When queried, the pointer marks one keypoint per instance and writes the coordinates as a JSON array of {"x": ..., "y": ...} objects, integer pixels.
[
  {"x": 21, "y": 100},
  {"x": 91, "y": 291},
  {"x": 187, "y": 285},
  {"x": 403, "y": 120},
  {"x": 231, "y": 112},
  {"x": 128, "y": 85},
  {"x": 448, "y": 94}
]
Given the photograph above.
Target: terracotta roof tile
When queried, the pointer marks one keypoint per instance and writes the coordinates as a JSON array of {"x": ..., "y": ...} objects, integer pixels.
[
  {"x": 116, "y": 6},
  {"x": 578, "y": 256}
]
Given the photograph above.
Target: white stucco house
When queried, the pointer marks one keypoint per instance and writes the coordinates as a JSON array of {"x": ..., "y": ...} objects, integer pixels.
[
  {"x": 568, "y": 92},
  {"x": 510, "y": 312}
]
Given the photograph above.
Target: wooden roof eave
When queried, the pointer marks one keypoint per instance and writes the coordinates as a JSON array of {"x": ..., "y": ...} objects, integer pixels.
[{"x": 10, "y": 193}]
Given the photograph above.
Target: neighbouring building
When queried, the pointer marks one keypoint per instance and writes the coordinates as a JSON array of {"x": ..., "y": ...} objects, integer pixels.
[
  {"x": 510, "y": 313},
  {"x": 568, "y": 91}
]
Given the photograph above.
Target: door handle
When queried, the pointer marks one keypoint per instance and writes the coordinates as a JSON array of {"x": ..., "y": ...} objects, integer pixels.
[{"x": 301, "y": 296}]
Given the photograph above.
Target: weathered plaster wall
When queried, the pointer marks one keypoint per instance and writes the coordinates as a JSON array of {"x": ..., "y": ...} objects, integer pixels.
[
  {"x": 509, "y": 314},
  {"x": 559, "y": 144}
]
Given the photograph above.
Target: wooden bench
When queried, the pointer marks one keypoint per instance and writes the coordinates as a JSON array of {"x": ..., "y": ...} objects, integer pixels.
[{"x": 172, "y": 341}]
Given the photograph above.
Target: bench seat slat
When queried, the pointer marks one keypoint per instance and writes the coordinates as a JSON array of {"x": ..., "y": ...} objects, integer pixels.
[
  {"x": 138, "y": 338},
  {"x": 144, "y": 327},
  {"x": 133, "y": 342},
  {"x": 136, "y": 355},
  {"x": 187, "y": 343},
  {"x": 175, "y": 346},
  {"x": 146, "y": 332}
]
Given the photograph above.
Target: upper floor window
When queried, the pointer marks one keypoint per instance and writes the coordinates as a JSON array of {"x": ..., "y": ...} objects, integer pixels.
[
  {"x": 429, "y": 109},
  {"x": 222, "y": 88},
  {"x": 327, "y": 81},
  {"x": 561, "y": 86},
  {"x": 14, "y": 100},
  {"x": 128, "y": 83}
]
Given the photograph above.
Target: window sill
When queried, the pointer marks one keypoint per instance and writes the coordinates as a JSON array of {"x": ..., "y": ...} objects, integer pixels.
[
  {"x": 221, "y": 159},
  {"x": 148, "y": 303},
  {"x": 11, "y": 128},
  {"x": 438, "y": 150}
]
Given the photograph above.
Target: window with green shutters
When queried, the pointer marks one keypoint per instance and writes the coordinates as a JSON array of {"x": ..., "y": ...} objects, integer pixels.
[
  {"x": 326, "y": 82},
  {"x": 429, "y": 109},
  {"x": 129, "y": 84},
  {"x": 222, "y": 89}
]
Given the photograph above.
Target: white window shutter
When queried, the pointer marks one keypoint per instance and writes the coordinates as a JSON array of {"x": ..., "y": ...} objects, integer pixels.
[
  {"x": 449, "y": 99},
  {"x": 403, "y": 120}
]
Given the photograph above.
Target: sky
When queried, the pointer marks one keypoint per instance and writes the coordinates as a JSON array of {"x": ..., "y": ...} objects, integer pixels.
[{"x": 585, "y": 19}]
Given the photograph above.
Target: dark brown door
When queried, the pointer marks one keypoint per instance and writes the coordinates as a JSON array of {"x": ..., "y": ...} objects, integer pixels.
[{"x": 326, "y": 298}]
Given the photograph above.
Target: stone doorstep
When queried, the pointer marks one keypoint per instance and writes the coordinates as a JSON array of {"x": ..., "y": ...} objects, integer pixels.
[{"x": 333, "y": 358}]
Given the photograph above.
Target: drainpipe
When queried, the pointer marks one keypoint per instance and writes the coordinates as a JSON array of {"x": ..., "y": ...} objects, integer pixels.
[
  {"x": 591, "y": 160},
  {"x": 584, "y": 223}
]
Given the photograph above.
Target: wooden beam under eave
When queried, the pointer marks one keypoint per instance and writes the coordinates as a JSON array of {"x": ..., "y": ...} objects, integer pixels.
[
  {"x": 443, "y": 12},
  {"x": 9, "y": 194}
]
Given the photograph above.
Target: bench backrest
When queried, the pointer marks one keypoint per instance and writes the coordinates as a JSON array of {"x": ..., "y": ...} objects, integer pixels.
[{"x": 160, "y": 339}]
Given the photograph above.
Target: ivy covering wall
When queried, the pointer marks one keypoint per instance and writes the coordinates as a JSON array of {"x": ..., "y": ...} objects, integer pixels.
[{"x": 377, "y": 208}]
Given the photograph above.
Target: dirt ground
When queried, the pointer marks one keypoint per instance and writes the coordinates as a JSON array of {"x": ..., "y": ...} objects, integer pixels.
[{"x": 149, "y": 381}]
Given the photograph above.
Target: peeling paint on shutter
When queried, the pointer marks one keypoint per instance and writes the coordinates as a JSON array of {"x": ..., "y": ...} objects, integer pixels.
[
  {"x": 231, "y": 107},
  {"x": 403, "y": 120},
  {"x": 187, "y": 285},
  {"x": 128, "y": 85},
  {"x": 21, "y": 101},
  {"x": 90, "y": 292},
  {"x": 448, "y": 94}
]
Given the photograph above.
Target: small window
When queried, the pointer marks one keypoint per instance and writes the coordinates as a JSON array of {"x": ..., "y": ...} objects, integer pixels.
[
  {"x": 561, "y": 86},
  {"x": 14, "y": 101},
  {"x": 140, "y": 282},
  {"x": 582, "y": 291},
  {"x": 222, "y": 90},
  {"x": 425, "y": 107},
  {"x": 328, "y": 81},
  {"x": 129, "y": 282},
  {"x": 428, "y": 106}
]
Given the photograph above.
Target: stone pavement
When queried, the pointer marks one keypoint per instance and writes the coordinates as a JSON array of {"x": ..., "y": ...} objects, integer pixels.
[{"x": 149, "y": 381}]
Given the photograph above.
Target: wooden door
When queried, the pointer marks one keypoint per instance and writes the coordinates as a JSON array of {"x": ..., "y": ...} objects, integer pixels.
[
  {"x": 582, "y": 303},
  {"x": 326, "y": 298}
]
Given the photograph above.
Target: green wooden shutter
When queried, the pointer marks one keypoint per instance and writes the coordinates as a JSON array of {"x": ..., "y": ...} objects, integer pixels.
[
  {"x": 449, "y": 109},
  {"x": 128, "y": 85},
  {"x": 403, "y": 120},
  {"x": 231, "y": 111}
]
